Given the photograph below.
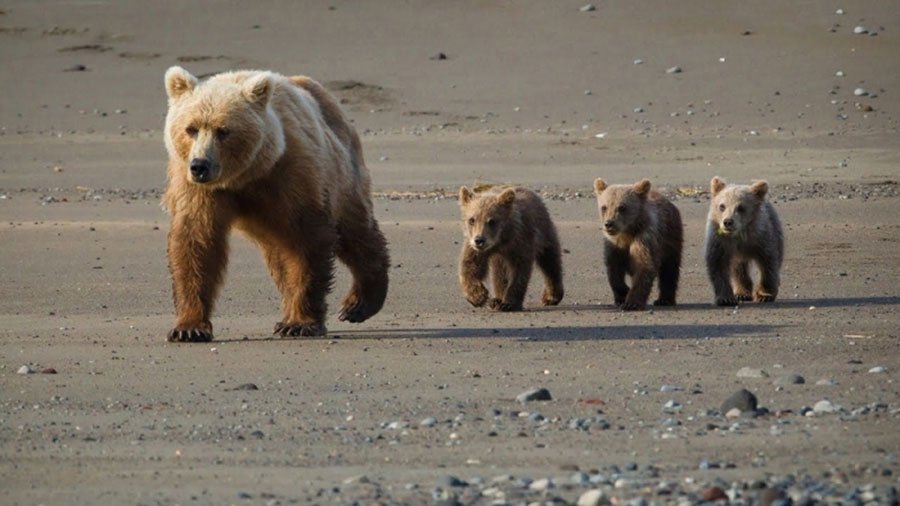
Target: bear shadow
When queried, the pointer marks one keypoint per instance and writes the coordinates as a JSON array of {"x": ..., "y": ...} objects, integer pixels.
[{"x": 778, "y": 304}]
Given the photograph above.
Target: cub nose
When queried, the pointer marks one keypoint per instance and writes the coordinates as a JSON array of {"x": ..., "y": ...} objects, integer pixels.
[
  {"x": 728, "y": 222},
  {"x": 479, "y": 241},
  {"x": 608, "y": 224},
  {"x": 200, "y": 169}
]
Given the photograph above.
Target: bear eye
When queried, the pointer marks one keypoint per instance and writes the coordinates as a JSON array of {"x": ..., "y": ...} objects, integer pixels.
[
  {"x": 471, "y": 221},
  {"x": 721, "y": 207},
  {"x": 191, "y": 131},
  {"x": 602, "y": 209},
  {"x": 490, "y": 222},
  {"x": 622, "y": 208},
  {"x": 739, "y": 209},
  {"x": 222, "y": 133}
]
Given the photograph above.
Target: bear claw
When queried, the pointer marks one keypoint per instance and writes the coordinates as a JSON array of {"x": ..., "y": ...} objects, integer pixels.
[
  {"x": 726, "y": 301},
  {"x": 180, "y": 335},
  {"x": 499, "y": 305},
  {"x": 356, "y": 312},
  {"x": 633, "y": 306},
  {"x": 299, "y": 330}
]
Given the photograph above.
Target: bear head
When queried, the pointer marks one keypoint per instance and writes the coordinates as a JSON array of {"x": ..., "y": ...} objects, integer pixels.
[
  {"x": 621, "y": 206},
  {"x": 222, "y": 131},
  {"x": 486, "y": 216},
  {"x": 734, "y": 207}
]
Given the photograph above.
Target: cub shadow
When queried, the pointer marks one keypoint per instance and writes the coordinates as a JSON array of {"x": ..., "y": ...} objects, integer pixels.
[{"x": 778, "y": 304}]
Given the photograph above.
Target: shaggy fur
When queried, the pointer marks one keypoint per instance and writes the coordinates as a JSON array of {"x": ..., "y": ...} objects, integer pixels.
[
  {"x": 643, "y": 238},
  {"x": 743, "y": 227},
  {"x": 274, "y": 157},
  {"x": 506, "y": 231}
]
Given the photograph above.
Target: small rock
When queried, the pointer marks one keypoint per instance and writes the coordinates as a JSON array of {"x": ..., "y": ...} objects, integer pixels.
[
  {"x": 451, "y": 481},
  {"x": 839, "y": 73},
  {"x": 749, "y": 372},
  {"x": 638, "y": 109},
  {"x": 839, "y": 12},
  {"x": 246, "y": 386},
  {"x": 638, "y": 61},
  {"x": 594, "y": 497},
  {"x": 50, "y": 370},
  {"x": 587, "y": 8},
  {"x": 580, "y": 478},
  {"x": 672, "y": 406},
  {"x": 860, "y": 30},
  {"x": 860, "y": 92},
  {"x": 535, "y": 417},
  {"x": 877, "y": 370},
  {"x": 439, "y": 56},
  {"x": 827, "y": 382},
  {"x": 673, "y": 70},
  {"x": 541, "y": 484},
  {"x": 790, "y": 379},
  {"x": 742, "y": 400},
  {"x": 824, "y": 406},
  {"x": 669, "y": 388},
  {"x": 25, "y": 370},
  {"x": 713, "y": 494},
  {"x": 428, "y": 422},
  {"x": 733, "y": 413},
  {"x": 535, "y": 394}
]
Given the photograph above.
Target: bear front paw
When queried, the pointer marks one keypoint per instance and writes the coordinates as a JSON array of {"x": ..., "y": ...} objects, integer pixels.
[
  {"x": 499, "y": 305},
  {"x": 633, "y": 306},
  {"x": 189, "y": 335},
  {"x": 550, "y": 298},
  {"x": 726, "y": 300},
  {"x": 764, "y": 297},
  {"x": 299, "y": 329},
  {"x": 477, "y": 296},
  {"x": 356, "y": 311},
  {"x": 664, "y": 302},
  {"x": 743, "y": 296}
]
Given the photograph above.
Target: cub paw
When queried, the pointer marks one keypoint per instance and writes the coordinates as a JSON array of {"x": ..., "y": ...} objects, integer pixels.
[
  {"x": 477, "y": 296},
  {"x": 550, "y": 298},
  {"x": 764, "y": 297},
  {"x": 664, "y": 302},
  {"x": 356, "y": 311},
  {"x": 729, "y": 300},
  {"x": 743, "y": 296},
  {"x": 189, "y": 335},
  {"x": 505, "y": 306},
  {"x": 299, "y": 329}
]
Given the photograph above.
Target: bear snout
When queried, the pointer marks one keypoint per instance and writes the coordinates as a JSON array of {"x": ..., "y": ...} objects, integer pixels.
[
  {"x": 610, "y": 226},
  {"x": 479, "y": 241},
  {"x": 201, "y": 170},
  {"x": 728, "y": 223}
]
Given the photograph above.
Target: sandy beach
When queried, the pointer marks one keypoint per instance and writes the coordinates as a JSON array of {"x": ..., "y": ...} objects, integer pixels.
[{"x": 418, "y": 404}]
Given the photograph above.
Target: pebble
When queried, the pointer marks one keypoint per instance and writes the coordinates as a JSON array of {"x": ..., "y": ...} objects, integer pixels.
[
  {"x": 749, "y": 372},
  {"x": 50, "y": 370},
  {"x": 428, "y": 422},
  {"x": 877, "y": 370},
  {"x": 859, "y": 30},
  {"x": 638, "y": 61},
  {"x": 742, "y": 400},
  {"x": 588, "y": 8},
  {"x": 839, "y": 73},
  {"x": 580, "y": 478},
  {"x": 638, "y": 109},
  {"x": 825, "y": 406},
  {"x": 669, "y": 388},
  {"x": 246, "y": 386},
  {"x": 541, "y": 484},
  {"x": 451, "y": 481},
  {"x": 535, "y": 394},
  {"x": 594, "y": 497},
  {"x": 672, "y": 406},
  {"x": 673, "y": 70},
  {"x": 25, "y": 370},
  {"x": 827, "y": 382},
  {"x": 713, "y": 494},
  {"x": 860, "y": 92},
  {"x": 790, "y": 379},
  {"x": 839, "y": 12}
]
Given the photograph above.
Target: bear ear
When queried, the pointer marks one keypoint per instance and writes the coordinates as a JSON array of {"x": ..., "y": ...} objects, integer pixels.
[
  {"x": 599, "y": 186},
  {"x": 258, "y": 89},
  {"x": 716, "y": 185},
  {"x": 760, "y": 188},
  {"x": 179, "y": 82},
  {"x": 642, "y": 187},
  {"x": 465, "y": 195},
  {"x": 507, "y": 197}
]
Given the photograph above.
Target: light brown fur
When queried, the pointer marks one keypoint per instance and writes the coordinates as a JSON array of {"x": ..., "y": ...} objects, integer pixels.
[
  {"x": 643, "y": 238},
  {"x": 742, "y": 228},
  {"x": 506, "y": 231},
  {"x": 276, "y": 159}
]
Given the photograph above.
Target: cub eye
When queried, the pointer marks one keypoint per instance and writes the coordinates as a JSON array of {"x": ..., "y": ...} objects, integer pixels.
[
  {"x": 221, "y": 133},
  {"x": 721, "y": 207},
  {"x": 191, "y": 131},
  {"x": 739, "y": 209},
  {"x": 490, "y": 222},
  {"x": 602, "y": 209},
  {"x": 471, "y": 221},
  {"x": 622, "y": 208}
]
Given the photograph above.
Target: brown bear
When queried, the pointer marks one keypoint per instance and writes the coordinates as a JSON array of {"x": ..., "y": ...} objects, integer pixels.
[
  {"x": 274, "y": 157},
  {"x": 643, "y": 238},
  {"x": 506, "y": 231},
  {"x": 743, "y": 227}
]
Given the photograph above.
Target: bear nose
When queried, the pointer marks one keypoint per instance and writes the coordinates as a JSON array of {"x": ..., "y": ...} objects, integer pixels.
[
  {"x": 479, "y": 241},
  {"x": 608, "y": 224},
  {"x": 200, "y": 169},
  {"x": 728, "y": 222}
]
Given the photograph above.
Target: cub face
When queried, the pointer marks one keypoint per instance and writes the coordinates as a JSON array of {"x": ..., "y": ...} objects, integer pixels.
[
  {"x": 215, "y": 128},
  {"x": 733, "y": 207},
  {"x": 485, "y": 216},
  {"x": 620, "y": 205}
]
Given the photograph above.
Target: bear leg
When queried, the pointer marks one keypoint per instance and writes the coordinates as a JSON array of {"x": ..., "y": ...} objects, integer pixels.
[
  {"x": 741, "y": 281},
  {"x": 549, "y": 261},
  {"x": 669, "y": 272},
  {"x": 616, "y": 269},
  {"x": 500, "y": 276},
  {"x": 365, "y": 253},
  {"x": 519, "y": 276},
  {"x": 718, "y": 263},
  {"x": 769, "y": 280},
  {"x": 473, "y": 268},
  {"x": 198, "y": 254}
]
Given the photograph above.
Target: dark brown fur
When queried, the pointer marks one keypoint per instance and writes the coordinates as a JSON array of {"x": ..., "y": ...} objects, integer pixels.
[
  {"x": 643, "y": 238},
  {"x": 506, "y": 232},
  {"x": 303, "y": 198}
]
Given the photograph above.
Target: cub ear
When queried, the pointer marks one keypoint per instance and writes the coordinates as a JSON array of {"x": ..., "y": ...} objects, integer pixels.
[
  {"x": 179, "y": 82},
  {"x": 759, "y": 188},
  {"x": 465, "y": 195},
  {"x": 599, "y": 186},
  {"x": 642, "y": 187},
  {"x": 507, "y": 197},
  {"x": 716, "y": 185},
  {"x": 258, "y": 89}
]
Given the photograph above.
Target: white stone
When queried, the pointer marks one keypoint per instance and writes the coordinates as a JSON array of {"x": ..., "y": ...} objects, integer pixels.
[
  {"x": 594, "y": 497},
  {"x": 25, "y": 370},
  {"x": 877, "y": 370}
]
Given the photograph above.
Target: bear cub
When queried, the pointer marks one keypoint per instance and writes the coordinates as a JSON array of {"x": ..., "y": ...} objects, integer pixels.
[
  {"x": 506, "y": 231},
  {"x": 643, "y": 238},
  {"x": 743, "y": 227}
]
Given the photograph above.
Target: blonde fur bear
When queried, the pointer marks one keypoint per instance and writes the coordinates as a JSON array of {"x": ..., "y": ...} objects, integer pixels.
[
  {"x": 274, "y": 157},
  {"x": 743, "y": 227},
  {"x": 643, "y": 239},
  {"x": 506, "y": 231}
]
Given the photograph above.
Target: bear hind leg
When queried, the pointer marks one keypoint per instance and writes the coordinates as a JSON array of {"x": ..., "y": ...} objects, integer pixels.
[
  {"x": 669, "y": 272},
  {"x": 741, "y": 280},
  {"x": 550, "y": 263},
  {"x": 365, "y": 253}
]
